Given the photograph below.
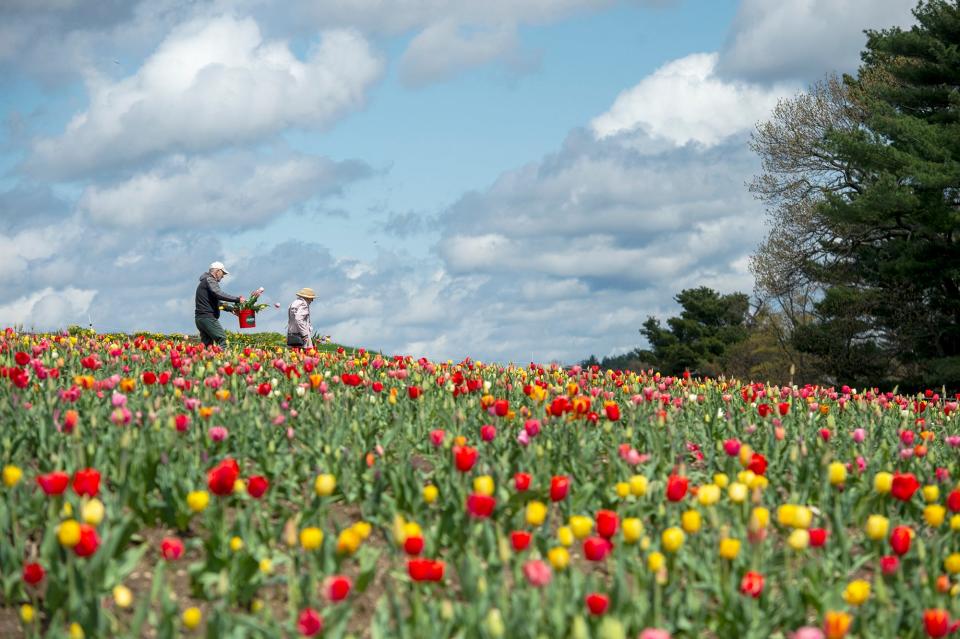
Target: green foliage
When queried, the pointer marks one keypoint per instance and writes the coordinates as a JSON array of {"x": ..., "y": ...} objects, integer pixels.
[{"x": 698, "y": 339}]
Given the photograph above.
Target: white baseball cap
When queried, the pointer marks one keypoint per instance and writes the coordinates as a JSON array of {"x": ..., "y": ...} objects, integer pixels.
[{"x": 220, "y": 266}]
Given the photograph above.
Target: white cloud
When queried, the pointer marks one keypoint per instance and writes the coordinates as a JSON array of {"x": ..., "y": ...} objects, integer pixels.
[
  {"x": 212, "y": 83},
  {"x": 803, "y": 39},
  {"x": 48, "y": 309},
  {"x": 234, "y": 189},
  {"x": 443, "y": 49},
  {"x": 684, "y": 101}
]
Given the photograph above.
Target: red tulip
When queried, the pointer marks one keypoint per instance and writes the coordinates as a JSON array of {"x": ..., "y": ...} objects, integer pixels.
[
  {"x": 520, "y": 539},
  {"x": 900, "y": 539},
  {"x": 752, "y": 584},
  {"x": 936, "y": 621},
  {"x": 607, "y": 523},
  {"x": 783, "y": 408},
  {"x": 597, "y": 603},
  {"x": 501, "y": 407},
  {"x": 413, "y": 545},
  {"x": 181, "y": 422},
  {"x": 889, "y": 564},
  {"x": 488, "y": 432},
  {"x": 763, "y": 410},
  {"x": 89, "y": 541},
  {"x": 559, "y": 487},
  {"x": 758, "y": 464},
  {"x": 480, "y": 505},
  {"x": 464, "y": 457},
  {"x": 86, "y": 482},
  {"x": 257, "y": 486},
  {"x": 223, "y": 476},
  {"x": 596, "y": 548},
  {"x": 904, "y": 485},
  {"x": 676, "y": 487},
  {"x": 437, "y": 436},
  {"x": 54, "y": 483},
  {"x": 337, "y": 587},
  {"x": 425, "y": 569},
  {"x": 613, "y": 411},
  {"x": 351, "y": 379},
  {"x": 521, "y": 481},
  {"x": 818, "y": 537},
  {"x": 33, "y": 574},
  {"x": 953, "y": 501},
  {"x": 149, "y": 378},
  {"x": 264, "y": 389},
  {"x": 21, "y": 358},
  {"x": 309, "y": 623},
  {"x": 171, "y": 548},
  {"x": 731, "y": 447}
]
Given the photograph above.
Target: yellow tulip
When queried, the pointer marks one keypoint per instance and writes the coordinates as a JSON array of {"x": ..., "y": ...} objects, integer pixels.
[
  {"x": 837, "y": 473},
  {"x": 69, "y": 533},
  {"x": 192, "y": 617},
  {"x": 857, "y": 592},
  {"x": 632, "y": 530},
  {"x": 311, "y": 538},
  {"x": 952, "y": 563},
  {"x": 955, "y": 523},
  {"x": 721, "y": 480},
  {"x": 265, "y": 566},
  {"x": 197, "y": 500},
  {"x": 931, "y": 493},
  {"x": 76, "y": 631},
  {"x": 746, "y": 455},
  {"x": 559, "y": 557},
  {"x": 536, "y": 513},
  {"x": 348, "y": 541},
  {"x": 363, "y": 529},
  {"x": 655, "y": 561},
  {"x": 565, "y": 536},
  {"x": 737, "y": 492},
  {"x": 325, "y": 484},
  {"x": 92, "y": 512},
  {"x": 708, "y": 495},
  {"x": 802, "y": 517},
  {"x": 759, "y": 518},
  {"x": 11, "y": 476},
  {"x": 622, "y": 489},
  {"x": 934, "y": 515},
  {"x": 26, "y": 613},
  {"x": 430, "y": 493},
  {"x": 236, "y": 544},
  {"x": 786, "y": 514},
  {"x": 581, "y": 526},
  {"x": 877, "y": 527},
  {"x": 690, "y": 521},
  {"x": 672, "y": 539},
  {"x": 638, "y": 485},
  {"x": 799, "y": 539},
  {"x": 483, "y": 485},
  {"x": 883, "y": 482},
  {"x": 729, "y": 548},
  {"x": 746, "y": 477},
  {"x": 122, "y": 596}
]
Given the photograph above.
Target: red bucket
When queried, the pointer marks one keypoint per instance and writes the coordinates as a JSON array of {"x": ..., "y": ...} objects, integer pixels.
[{"x": 248, "y": 318}]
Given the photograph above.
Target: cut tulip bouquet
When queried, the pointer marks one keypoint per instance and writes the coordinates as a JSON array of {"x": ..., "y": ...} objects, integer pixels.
[{"x": 160, "y": 487}]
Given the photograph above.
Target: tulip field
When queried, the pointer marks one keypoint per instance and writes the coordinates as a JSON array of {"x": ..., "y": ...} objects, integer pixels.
[{"x": 156, "y": 488}]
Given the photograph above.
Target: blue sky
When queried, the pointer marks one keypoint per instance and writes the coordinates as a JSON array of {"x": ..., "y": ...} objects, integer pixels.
[{"x": 523, "y": 180}]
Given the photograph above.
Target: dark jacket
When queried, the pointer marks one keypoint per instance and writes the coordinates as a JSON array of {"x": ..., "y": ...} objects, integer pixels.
[{"x": 209, "y": 297}]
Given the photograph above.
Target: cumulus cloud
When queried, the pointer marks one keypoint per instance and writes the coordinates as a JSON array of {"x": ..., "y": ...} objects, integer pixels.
[
  {"x": 445, "y": 48},
  {"x": 233, "y": 190},
  {"x": 803, "y": 39},
  {"x": 211, "y": 83},
  {"x": 48, "y": 309},
  {"x": 684, "y": 101}
]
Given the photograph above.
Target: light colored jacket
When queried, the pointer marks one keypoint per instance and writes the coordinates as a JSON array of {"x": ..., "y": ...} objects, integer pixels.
[{"x": 298, "y": 321}]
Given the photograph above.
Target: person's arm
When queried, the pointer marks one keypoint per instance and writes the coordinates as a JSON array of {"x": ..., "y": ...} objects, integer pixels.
[
  {"x": 214, "y": 286},
  {"x": 302, "y": 315}
]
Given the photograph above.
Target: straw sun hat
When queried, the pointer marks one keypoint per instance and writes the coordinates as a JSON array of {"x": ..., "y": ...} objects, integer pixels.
[{"x": 306, "y": 292}]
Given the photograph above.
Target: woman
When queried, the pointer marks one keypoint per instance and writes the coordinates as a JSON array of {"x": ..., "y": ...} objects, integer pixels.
[{"x": 299, "y": 329}]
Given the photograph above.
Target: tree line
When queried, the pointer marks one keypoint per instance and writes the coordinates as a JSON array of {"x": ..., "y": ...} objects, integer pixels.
[{"x": 858, "y": 280}]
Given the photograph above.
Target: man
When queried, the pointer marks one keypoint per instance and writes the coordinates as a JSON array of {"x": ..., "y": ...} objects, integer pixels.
[
  {"x": 299, "y": 329},
  {"x": 207, "y": 312}
]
